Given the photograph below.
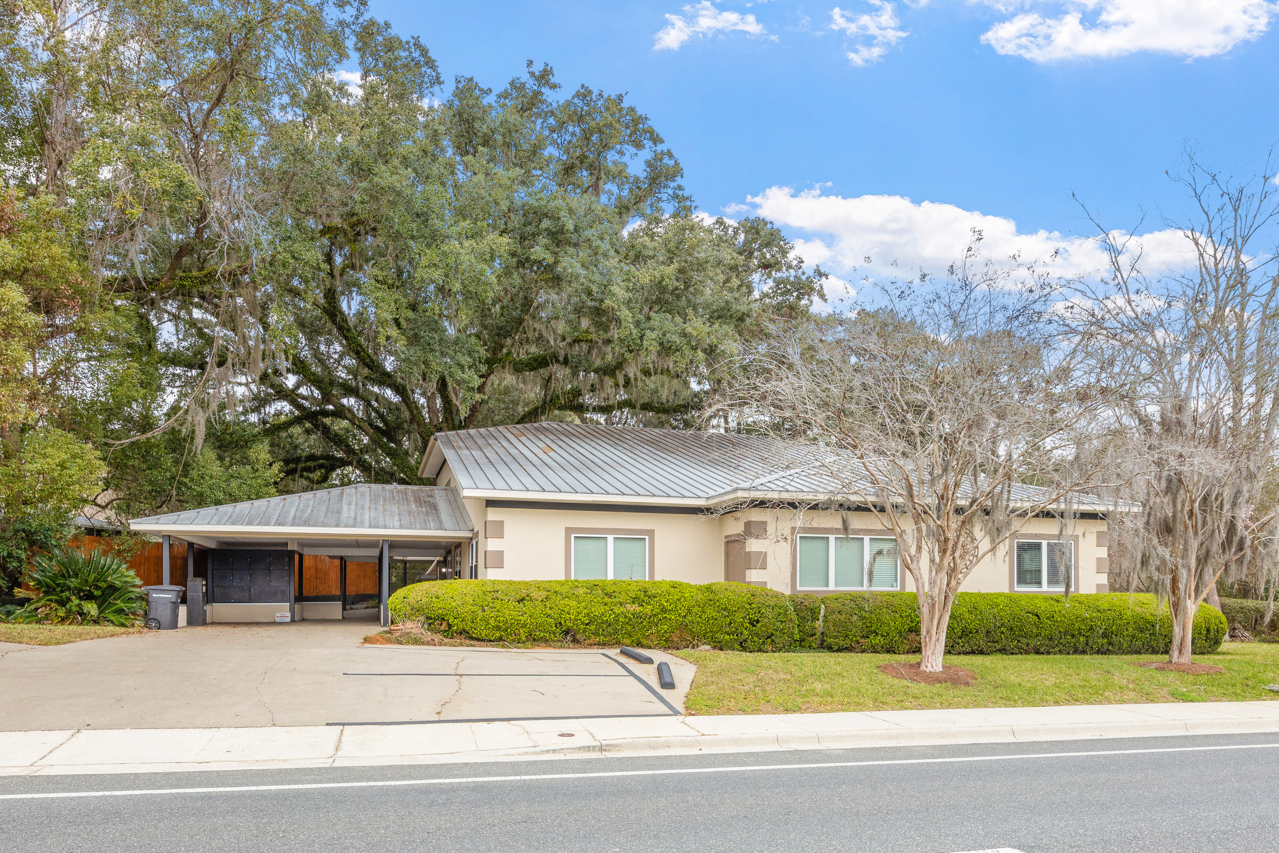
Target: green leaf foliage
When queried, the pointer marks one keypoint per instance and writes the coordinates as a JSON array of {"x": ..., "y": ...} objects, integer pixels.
[
  {"x": 68, "y": 587},
  {"x": 731, "y": 616},
  {"x": 650, "y": 614},
  {"x": 1250, "y": 615},
  {"x": 1005, "y": 623}
]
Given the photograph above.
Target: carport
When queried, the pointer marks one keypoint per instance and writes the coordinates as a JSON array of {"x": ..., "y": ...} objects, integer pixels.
[{"x": 316, "y": 555}]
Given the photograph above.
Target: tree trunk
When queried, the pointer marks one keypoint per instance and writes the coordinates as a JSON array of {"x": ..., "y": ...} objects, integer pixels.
[
  {"x": 1183, "y": 633},
  {"x": 932, "y": 653},
  {"x": 934, "y": 618}
]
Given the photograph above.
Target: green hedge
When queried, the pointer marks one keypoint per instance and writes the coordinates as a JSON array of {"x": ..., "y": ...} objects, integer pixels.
[
  {"x": 1250, "y": 615},
  {"x": 671, "y": 614},
  {"x": 1011, "y": 623},
  {"x": 651, "y": 614}
]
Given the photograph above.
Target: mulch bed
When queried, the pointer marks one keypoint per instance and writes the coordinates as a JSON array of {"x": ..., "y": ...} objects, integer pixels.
[
  {"x": 1188, "y": 668},
  {"x": 912, "y": 673}
]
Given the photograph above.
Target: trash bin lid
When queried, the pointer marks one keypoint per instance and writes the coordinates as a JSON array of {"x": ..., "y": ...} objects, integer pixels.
[{"x": 163, "y": 592}]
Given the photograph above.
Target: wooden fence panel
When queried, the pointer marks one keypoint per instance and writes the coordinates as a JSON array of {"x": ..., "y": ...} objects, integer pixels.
[
  {"x": 148, "y": 562},
  {"x": 321, "y": 575},
  {"x": 361, "y": 578}
]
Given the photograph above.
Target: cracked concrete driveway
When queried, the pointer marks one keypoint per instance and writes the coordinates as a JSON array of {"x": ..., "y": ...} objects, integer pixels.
[{"x": 313, "y": 673}]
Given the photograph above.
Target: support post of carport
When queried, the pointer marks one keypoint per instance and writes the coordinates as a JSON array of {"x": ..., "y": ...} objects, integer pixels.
[
  {"x": 384, "y": 581},
  {"x": 164, "y": 558}
]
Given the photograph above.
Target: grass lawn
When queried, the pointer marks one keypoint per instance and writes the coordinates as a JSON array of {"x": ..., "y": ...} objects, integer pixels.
[
  {"x": 56, "y": 635},
  {"x": 801, "y": 682}
]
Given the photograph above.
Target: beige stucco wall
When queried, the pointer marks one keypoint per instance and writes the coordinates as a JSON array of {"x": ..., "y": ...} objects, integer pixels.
[
  {"x": 534, "y": 546},
  {"x": 691, "y": 547},
  {"x": 219, "y": 613},
  {"x": 993, "y": 574}
]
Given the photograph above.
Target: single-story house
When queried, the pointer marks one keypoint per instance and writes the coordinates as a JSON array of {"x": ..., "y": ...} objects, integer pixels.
[{"x": 557, "y": 500}]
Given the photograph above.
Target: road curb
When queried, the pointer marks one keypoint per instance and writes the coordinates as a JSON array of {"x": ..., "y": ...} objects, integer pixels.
[{"x": 182, "y": 750}]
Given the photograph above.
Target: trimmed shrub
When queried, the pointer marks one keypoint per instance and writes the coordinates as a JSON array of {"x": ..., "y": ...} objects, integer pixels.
[
  {"x": 741, "y": 617},
  {"x": 731, "y": 616},
  {"x": 1250, "y": 615},
  {"x": 70, "y": 588},
  {"x": 808, "y": 614},
  {"x": 653, "y": 614},
  {"x": 1010, "y": 623},
  {"x": 870, "y": 622}
]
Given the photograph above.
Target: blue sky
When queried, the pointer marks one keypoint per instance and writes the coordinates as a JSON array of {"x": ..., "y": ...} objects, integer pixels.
[{"x": 889, "y": 129}]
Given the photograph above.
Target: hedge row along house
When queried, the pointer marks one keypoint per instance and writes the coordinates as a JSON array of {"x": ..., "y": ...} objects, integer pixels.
[{"x": 556, "y": 500}]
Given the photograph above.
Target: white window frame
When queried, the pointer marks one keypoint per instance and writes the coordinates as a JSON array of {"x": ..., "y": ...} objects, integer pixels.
[
  {"x": 608, "y": 551},
  {"x": 1043, "y": 562},
  {"x": 830, "y": 565}
]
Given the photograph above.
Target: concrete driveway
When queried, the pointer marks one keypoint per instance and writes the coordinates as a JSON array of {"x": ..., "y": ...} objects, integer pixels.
[{"x": 313, "y": 673}]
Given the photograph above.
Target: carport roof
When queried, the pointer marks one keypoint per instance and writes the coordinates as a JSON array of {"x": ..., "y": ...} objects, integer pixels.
[{"x": 365, "y": 511}]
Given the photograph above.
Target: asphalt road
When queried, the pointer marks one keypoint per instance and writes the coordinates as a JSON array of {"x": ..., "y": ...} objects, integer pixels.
[{"x": 1190, "y": 794}]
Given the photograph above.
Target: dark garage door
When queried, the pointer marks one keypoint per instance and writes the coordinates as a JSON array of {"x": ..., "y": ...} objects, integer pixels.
[{"x": 250, "y": 577}]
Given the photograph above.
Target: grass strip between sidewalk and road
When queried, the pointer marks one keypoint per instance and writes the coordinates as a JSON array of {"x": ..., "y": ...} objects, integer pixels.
[
  {"x": 819, "y": 682},
  {"x": 56, "y": 635}
]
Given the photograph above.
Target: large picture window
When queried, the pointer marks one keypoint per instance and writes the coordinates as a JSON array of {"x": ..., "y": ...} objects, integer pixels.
[
  {"x": 610, "y": 557},
  {"x": 846, "y": 562},
  {"x": 1043, "y": 564}
]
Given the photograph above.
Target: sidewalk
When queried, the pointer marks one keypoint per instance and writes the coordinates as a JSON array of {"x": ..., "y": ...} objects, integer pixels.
[{"x": 174, "y": 750}]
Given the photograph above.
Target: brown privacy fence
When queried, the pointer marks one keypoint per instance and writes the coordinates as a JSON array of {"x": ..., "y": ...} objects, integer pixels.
[
  {"x": 147, "y": 562},
  {"x": 321, "y": 576}
]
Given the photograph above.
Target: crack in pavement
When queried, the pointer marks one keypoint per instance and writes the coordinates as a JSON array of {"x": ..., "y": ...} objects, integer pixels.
[
  {"x": 54, "y": 749},
  {"x": 337, "y": 747},
  {"x": 439, "y": 713},
  {"x": 21, "y": 648},
  {"x": 262, "y": 681}
]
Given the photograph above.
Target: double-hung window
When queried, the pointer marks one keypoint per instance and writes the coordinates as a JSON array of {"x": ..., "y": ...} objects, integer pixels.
[
  {"x": 610, "y": 557},
  {"x": 846, "y": 562},
  {"x": 1042, "y": 564}
]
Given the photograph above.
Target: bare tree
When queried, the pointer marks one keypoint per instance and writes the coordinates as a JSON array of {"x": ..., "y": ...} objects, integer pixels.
[
  {"x": 952, "y": 412},
  {"x": 1198, "y": 351}
]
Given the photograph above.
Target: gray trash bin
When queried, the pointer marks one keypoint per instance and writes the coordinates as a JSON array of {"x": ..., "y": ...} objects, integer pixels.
[
  {"x": 195, "y": 602},
  {"x": 162, "y": 606}
]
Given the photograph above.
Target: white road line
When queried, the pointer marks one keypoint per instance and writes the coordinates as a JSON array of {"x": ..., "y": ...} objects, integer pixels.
[
  {"x": 995, "y": 850},
  {"x": 619, "y": 774}
]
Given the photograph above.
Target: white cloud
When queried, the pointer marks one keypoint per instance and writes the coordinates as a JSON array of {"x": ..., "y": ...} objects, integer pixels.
[
  {"x": 703, "y": 20},
  {"x": 353, "y": 80},
  {"x": 1104, "y": 29},
  {"x": 875, "y": 32},
  {"x": 885, "y": 236}
]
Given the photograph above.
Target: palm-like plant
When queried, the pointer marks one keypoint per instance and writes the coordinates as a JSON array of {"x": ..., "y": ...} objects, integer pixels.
[{"x": 68, "y": 587}]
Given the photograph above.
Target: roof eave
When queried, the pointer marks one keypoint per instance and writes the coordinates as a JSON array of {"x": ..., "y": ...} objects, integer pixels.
[
  {"x": 428, "y": 456},
  {"x": 583, "y": 497},
  {"x": 259, "y": 531}
]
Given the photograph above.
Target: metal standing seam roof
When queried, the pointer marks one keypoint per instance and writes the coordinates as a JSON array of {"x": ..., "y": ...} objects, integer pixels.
[
  {"x": 640, "y": 462},
  {"x": 590, "y": 459},
  {"x": 365, "y": 506}
]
